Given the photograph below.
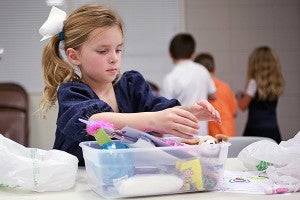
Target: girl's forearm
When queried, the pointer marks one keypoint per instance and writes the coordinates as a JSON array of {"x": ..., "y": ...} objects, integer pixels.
[{"x": 142, "y": 121}]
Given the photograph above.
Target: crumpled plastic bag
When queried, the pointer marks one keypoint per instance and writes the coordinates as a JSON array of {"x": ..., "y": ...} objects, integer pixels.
[
  {"x": 281, "y": 162},
  {"x": 289, "y": 174},
  {"x": 35, "y": 169},
  {"x": 267, "y": 151}
]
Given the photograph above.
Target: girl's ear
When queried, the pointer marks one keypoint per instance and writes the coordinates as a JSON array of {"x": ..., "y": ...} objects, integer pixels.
[{"x": 73, "y": 56}]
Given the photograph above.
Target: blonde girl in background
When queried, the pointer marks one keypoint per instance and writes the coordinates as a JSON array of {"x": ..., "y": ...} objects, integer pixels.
[
  {"x": 93, "y": 41},
  {"x": 265, "y": 84}
]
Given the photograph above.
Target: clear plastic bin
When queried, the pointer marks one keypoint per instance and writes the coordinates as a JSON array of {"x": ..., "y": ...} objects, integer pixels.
[{"x": 154, "y": 171}]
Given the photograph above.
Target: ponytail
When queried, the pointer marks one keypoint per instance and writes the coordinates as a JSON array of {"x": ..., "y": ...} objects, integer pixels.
[{"x": 55, "y": 71}]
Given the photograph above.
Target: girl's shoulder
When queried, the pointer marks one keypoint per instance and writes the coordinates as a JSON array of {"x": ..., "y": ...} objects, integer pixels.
[
  {"x": 132, "y": 81},
  {"x": 132, "y": 74},
  {"x": 74, "y": 86},
  {"x": 132, "y": 77}
]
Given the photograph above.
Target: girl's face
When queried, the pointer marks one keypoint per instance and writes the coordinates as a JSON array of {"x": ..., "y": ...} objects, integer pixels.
[{"x": 100, "y": 57}]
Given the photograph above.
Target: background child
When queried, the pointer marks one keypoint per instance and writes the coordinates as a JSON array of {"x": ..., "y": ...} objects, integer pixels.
[
  {"x": 225, "y": 101},
  {"x": 93, "y": 42},
  {"x": 264, "y": 86},
  {"x": 188, "y": 81}
]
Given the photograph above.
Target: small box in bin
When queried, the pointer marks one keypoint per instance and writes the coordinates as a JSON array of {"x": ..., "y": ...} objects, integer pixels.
[{"x": 154, "y": 171}]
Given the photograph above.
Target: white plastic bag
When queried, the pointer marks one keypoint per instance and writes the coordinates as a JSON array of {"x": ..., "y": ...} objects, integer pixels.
[
  {"x": 281, "y": 161},
  {"x": 35, "y": 169},
  {"x": 270, "y": 152}
]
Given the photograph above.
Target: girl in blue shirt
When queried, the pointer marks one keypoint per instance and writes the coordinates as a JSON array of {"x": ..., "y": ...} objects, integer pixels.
[{"x": 93, "y": 41}]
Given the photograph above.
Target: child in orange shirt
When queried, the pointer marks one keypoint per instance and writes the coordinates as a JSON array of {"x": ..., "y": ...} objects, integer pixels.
[{"x": 225, "y": 101}]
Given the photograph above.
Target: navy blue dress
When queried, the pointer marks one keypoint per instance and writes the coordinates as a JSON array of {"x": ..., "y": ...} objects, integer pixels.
[
  {"x": 262, "y": 119},
  {"x": 77, "y": 100}
]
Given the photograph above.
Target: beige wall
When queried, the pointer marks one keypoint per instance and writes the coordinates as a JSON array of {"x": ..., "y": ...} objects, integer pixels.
[
  {"x": 42, "y": 131},
  {"x": 231, "y": 29}
]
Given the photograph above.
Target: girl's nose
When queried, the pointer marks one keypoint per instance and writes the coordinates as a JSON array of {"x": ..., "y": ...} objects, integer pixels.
[
  {"x": 113, "y": 58},
  {"x": 111, "y": 61}
]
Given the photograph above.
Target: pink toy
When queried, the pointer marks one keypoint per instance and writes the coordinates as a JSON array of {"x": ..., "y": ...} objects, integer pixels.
[
  {"x": 98, "y": 130},
  {"x": 93, "y": 126}
]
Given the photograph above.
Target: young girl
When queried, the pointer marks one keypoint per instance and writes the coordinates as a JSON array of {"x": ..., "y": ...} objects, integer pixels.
[
  {"x": 93, "y": 42},
  {"x": 264, "y": 86}
]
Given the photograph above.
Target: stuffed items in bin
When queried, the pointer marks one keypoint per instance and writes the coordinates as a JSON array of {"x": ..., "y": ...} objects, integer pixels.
[
  {"x": 210, "y": 148},
  {"x": 206, "y": 139}
]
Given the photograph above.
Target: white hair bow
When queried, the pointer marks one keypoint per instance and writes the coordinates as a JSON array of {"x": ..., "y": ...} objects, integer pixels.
[{"x": 54, "y": 23}]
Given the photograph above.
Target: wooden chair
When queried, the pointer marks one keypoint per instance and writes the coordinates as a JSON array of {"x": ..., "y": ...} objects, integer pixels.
[{"x": 14, "y": 112}]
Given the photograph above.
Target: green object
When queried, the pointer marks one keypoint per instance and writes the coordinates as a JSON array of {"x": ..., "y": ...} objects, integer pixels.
[
  {"x": 101, "y": 137},
  {"x": 263, "y": 165}
]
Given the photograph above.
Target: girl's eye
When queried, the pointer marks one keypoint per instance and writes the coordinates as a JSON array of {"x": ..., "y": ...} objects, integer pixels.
[{"x": 101, "y": 51}]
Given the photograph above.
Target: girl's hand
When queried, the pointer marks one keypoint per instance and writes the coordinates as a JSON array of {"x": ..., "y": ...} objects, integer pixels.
[
  {"x": 204, "y": 111},
  {"x": 175, "y": 121}
]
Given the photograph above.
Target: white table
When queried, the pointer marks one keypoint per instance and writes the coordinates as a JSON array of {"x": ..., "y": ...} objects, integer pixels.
[{"x": 82, "y": 191}]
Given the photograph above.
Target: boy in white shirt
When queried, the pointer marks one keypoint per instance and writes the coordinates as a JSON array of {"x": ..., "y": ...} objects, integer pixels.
[{"x": 188, "y": 82}]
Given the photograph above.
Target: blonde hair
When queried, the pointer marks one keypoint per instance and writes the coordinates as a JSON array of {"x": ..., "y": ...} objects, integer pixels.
[
  {"x": 76, "y": 30},
  {"x": 264, "y": 67}
]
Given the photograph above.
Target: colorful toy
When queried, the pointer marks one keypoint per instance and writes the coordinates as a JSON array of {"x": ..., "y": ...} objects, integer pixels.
[
  {"x": 191, "y": 172},
  {"x": 97, "y": 129},
  {"x": 209, "y": 152}
]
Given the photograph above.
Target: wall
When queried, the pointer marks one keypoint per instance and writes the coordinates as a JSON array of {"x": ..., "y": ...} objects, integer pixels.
[
  {"x": 42, "y": 130},
  {"x": 231, "y": 29},
  {"x": 147, "y": 33}
]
